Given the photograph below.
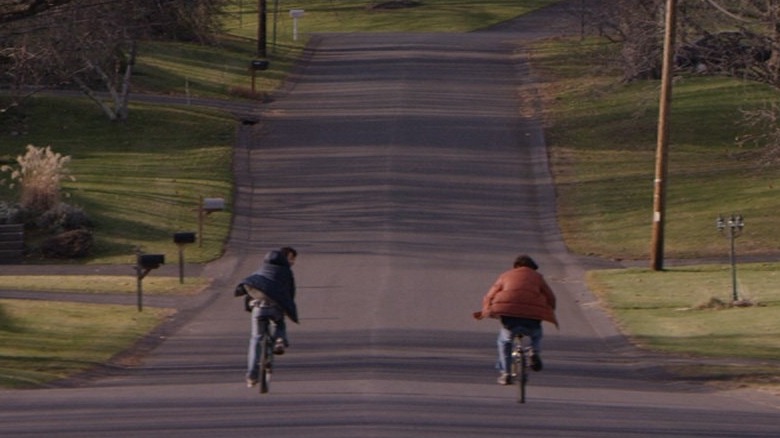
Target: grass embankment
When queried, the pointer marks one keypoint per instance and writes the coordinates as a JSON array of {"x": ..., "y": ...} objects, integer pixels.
[
  {"x": 602, "y": 135},
  {"x": 139, "y": 180},
  {"x": 688, "y": 311},
  {"x": 43, "y": 341},
  {"x": 222, "y": 70},
  {"x": 97, "y": 284}
]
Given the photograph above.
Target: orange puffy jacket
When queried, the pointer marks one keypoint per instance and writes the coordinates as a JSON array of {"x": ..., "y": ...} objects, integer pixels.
[{"x": 520, "y": 292}]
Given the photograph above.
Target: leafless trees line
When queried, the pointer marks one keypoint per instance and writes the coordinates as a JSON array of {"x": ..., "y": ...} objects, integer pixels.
[
  {"x": 91, "y": 43},
  {"x": 738, "y": 37}
]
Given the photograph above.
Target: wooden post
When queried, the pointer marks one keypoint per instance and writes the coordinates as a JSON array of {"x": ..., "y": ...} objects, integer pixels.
[
  {"x": 261, "y": 28},
  {"x": 662, "y": 150}
]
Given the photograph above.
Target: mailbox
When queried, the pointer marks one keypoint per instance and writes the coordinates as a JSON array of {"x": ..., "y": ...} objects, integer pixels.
[
  {"x": 259, "y": 64},
  {"x": 151, "y": 261},
  {"x": 185, "y": 237},
  {"x": 211, "y": 205},
  {"x": 296, "y": 13}
]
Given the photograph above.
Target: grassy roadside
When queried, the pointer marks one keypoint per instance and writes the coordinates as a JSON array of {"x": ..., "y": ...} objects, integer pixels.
[
  {"x": 221, "y": 71},
  {"x": 368, "y": 16},
  {"x": 140, "y": 180},
  {"x": 43, "y": 341},
  {"x": 96, "y": 284},
  {"x": 602, "y": 137},
  {"x": 686, "y": 311}
]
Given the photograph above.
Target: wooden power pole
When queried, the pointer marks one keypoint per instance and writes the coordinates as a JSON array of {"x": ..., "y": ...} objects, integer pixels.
[
  {"x": 261, "y": 29},
  {"x": 662, "y": 150}
]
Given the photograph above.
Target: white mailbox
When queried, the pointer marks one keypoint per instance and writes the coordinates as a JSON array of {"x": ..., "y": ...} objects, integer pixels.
[
  {"x": 213, "y": 204},
  {"x": 296, "y": 14}
]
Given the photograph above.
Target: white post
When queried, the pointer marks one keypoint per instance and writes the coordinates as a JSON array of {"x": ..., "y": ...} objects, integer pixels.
[{"x": 296, "y": 14}]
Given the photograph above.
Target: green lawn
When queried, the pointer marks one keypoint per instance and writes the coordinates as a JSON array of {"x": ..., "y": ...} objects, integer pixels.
[
  {"x": 602, "y": 138},
  {"x": 686, "y": 311},
  {"x": 359, "y": 16},
  {"x": 140, "y": 180},
  {"x": 602, "y": 135},
  {"x": 43, "y": 341},
  {"x": 96, "y": 284},
  {"x": 223, "y": 70}
]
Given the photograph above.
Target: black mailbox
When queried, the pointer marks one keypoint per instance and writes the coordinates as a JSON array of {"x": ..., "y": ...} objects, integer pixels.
[
  {"x": 259, "y": 64},
  {"x": 151, "y": 261},
  {"x": 184, "y": 237}
]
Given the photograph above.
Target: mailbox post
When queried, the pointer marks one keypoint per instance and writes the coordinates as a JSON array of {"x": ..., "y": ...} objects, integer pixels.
[
  {"x": 206, "y": 207},
  {"x": 143, "y": 265},
  {"x": 255, "y": 66},
  {"x": 296, "y": 14},
  {"x": 181, "y": 240}
]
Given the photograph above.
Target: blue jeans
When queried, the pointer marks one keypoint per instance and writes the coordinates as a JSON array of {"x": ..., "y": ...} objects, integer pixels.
[
  {"x": 511, "y": 325},
  {"x": 255, "y": 341}
]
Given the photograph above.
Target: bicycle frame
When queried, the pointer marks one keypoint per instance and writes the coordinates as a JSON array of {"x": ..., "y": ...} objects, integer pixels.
[
  {"x": 266, "y": 357},
  {"x": 521, "y": 362}
]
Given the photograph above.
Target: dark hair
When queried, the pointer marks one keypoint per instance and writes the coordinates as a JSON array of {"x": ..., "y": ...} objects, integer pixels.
[
  {"x": 525, "y": 261},
  {"x": 288, "y": 250}
]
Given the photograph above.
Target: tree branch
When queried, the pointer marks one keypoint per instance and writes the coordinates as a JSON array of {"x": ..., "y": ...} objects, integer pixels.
[
  {"x": 725, "y": 11},
  {"x": 20, "y": 9}
]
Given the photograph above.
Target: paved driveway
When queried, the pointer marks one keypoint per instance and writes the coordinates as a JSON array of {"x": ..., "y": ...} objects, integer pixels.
[{"x": 409, "y": 170}]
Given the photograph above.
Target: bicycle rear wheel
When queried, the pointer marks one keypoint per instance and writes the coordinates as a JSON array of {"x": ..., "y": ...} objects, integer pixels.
[
  {"x": 266, "y": 359},
  {"x": 522, "y": 376}
]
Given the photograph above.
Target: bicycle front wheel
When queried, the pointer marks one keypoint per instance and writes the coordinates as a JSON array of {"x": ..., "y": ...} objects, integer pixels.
[
  {"x": 522, "y": 377},
  {"x": 265, "y": 366}
]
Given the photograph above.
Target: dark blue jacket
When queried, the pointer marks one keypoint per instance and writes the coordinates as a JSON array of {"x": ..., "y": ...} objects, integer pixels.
[{"x": 275, "y": 279}]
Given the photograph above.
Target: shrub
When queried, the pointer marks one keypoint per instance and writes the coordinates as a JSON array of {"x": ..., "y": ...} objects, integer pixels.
[
  {"x": 40, "y": 173},
  {"x": 63, "y": 217},
  {"x": 70, "y": 244},
  {"x": 10, "y": 213}
]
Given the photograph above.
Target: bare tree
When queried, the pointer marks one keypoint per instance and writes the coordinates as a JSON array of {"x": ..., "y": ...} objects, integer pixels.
[
  {"x": 758, "y": 22},
  {"x": 92, "y": 43},
  {"x": 637, "y": 25},
  {"x": 94, "y": 57},
  {"x": 20, "y": 73},
  {"x": 13, "y": 10}
]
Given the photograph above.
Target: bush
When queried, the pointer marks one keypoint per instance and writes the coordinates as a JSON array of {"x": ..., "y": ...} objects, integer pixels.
[
  {"x": 70, "y": 244},
  {"x": 65, "y": 229},
  {"x": 39, "y": 173},
  {"x": 10, "y": 213},
  {"x": 63, "y": 217}
]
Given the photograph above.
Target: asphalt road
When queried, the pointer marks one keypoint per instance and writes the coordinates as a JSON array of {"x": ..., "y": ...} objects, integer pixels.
[{"x": 409, "y": 171}]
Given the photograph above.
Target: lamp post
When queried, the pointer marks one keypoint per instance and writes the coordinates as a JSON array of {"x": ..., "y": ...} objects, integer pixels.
[{"x": 734, "y": 225}]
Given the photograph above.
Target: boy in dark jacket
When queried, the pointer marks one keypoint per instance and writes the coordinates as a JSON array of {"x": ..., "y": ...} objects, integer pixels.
[{"x": 269, "y": 293}]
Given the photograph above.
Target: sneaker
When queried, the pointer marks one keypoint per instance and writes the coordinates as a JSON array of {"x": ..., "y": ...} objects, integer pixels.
[
  {"x": 279, "y": 347},
  {"x": 504, "y": 379},
  {"x": 536, "y": 362},
  {"x": 250, "y": 383}
]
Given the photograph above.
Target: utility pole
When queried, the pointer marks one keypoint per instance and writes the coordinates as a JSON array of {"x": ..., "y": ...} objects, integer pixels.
[
  {"x": 261, "y": 28},
  {"x": 662, "y": 149}
]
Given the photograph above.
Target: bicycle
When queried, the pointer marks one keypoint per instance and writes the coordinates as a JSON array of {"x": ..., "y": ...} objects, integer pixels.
[
  {"x": 521, "y": 363},
  {"x": 265, "y": 359},
  {"x": 267, "y": 341}
]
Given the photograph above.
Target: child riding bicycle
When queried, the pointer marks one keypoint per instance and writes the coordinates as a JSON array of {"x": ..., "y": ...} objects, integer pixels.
[
  {"x": 269, "y": 293},
  {"x": 521, "y": 299}
]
